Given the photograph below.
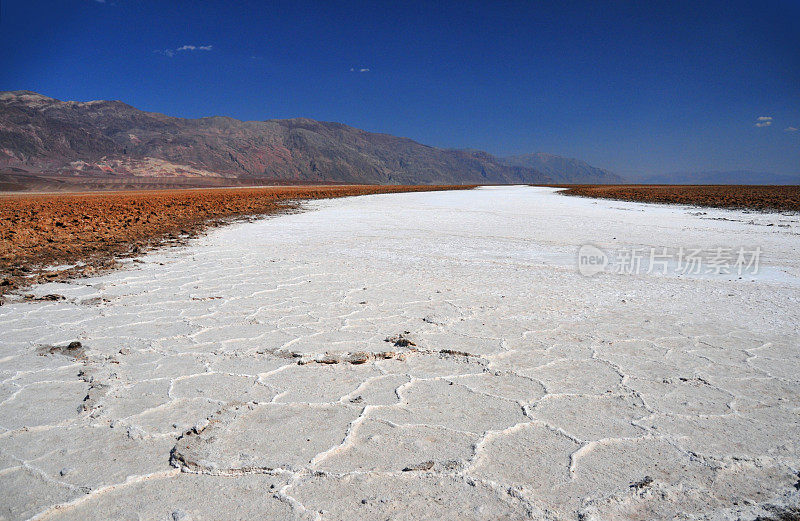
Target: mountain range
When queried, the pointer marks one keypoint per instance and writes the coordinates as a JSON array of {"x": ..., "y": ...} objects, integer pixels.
[
  {"x": 43, "y": 136},
  {"x": 565, "y": 169}
]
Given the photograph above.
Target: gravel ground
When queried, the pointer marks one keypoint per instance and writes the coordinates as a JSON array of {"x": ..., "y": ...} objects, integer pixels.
[{"x": 780, "y": 198}]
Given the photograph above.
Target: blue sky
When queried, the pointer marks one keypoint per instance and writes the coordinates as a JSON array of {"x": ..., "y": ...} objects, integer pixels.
[{"x": 637, "y": 87}]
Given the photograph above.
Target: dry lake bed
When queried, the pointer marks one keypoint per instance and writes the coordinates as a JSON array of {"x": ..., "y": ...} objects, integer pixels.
[{"x": 418, "y": 356}]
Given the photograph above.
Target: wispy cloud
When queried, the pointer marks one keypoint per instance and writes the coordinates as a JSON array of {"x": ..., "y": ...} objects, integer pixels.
[
  {"x": 184, "y": 48},
  {"x": 790, "y": 129},
  {"x": 363, "y": 69},
  {"x": 763, "y": 121},
  {"x": 195, "y": 48}
]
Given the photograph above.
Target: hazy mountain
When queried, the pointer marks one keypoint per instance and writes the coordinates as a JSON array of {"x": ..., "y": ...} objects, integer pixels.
[
  {"x": 737, "y": 177},
  {"x": 42, "y": 135},
  {"x": 565, "y": 169}
]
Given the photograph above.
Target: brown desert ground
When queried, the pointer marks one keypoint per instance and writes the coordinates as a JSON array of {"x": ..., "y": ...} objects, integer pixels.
[
  {"x": 11, "y": 181},
  {"x": 41, "y": 231},
  {"x": 755, "y": 197}
]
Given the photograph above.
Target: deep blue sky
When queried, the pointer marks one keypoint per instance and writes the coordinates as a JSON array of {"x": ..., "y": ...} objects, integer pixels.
[{"x": 632, "y": 86}]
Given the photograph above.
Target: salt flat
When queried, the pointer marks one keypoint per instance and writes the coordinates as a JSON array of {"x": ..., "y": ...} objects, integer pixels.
[{"x": 249, "y": 376}]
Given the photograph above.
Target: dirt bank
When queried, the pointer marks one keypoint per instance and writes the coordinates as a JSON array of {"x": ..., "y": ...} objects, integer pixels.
[
  {"x": 38, "y": 232},
  {"x": 782, "y": 198}
]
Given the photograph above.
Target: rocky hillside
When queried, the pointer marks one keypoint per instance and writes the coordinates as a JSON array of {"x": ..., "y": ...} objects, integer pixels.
[
  {"x": 41, "y": 135},
  {"x": 564, "y": 169}
]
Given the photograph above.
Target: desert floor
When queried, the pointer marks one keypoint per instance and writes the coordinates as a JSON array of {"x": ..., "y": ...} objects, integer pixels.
[
  {"x": 774, "y": 197},
  {"x": 84, "y": 232},
  {"x": 413, "y": 356}
]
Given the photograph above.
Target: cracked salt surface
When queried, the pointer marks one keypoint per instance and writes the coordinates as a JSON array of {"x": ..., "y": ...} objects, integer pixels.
[{"x": 248, "y": 375}]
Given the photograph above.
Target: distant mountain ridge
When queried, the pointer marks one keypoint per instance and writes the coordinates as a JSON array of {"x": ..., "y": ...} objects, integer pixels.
[
  {"x": 565, "y": 169},
  {"x": 42, "y": 135},
  {"x": 713, "y": 177}
]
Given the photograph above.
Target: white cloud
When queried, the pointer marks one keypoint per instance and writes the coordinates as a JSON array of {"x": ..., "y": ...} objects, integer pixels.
[
  {"x": 763, "y": 121},
  {"x": 790, "y": 129},
  {"x": 195, "y": 48},
  {"x": 172, "y": 52},
  {"x": 364, "y": 69}
]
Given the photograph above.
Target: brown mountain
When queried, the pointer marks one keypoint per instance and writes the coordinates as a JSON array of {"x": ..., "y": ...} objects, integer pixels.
[
  {"x": 45, "y": 136},
  {"x": 566, "y": 170}
]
